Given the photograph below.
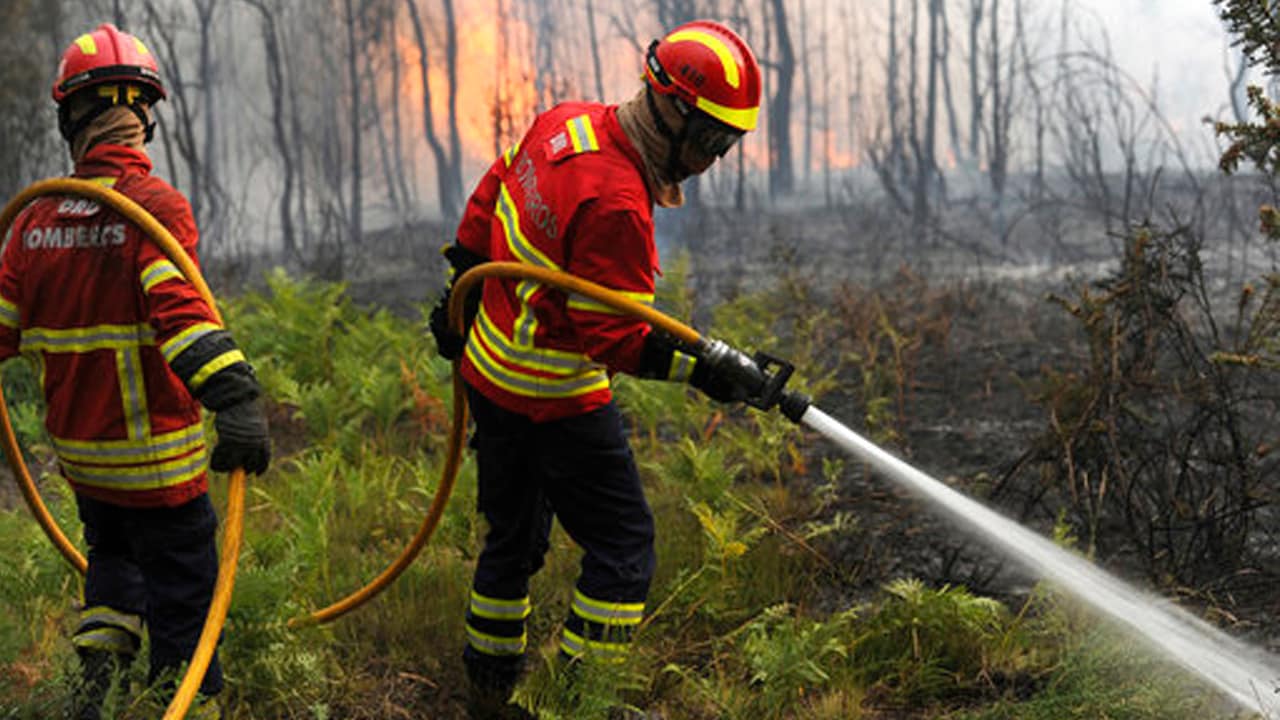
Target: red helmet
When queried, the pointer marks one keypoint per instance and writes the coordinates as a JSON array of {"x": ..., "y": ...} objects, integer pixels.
[
  {"x": 107, "y": 55},
  {"x": 708, "y": 67}
]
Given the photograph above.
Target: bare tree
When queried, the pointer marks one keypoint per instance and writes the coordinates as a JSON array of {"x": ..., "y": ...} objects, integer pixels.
[
  {"x": 781, "y": 172},
  {"x": 275, "y": 84},
  {"x": 357, "y": 156}
]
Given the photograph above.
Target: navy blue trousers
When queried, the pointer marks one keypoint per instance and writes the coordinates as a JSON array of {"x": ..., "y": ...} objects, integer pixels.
[
  {"x": 580, "y": 470},
  {"x": 160, "y": 564}
]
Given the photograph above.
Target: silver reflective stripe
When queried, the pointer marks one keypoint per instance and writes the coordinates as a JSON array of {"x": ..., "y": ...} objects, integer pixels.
[
  {"x": 133, "y": 392},
  {"x": 574, "y": 645},
  {"x": 681, "y": 366},
  {"x": 530, "y": 385},
  {"x": 496, "y": 609},
  {"x": 145, "y": 477},
  {"x": 104, "y": 615},
  {"x": 127, "y": 452},
  {"x": 495, "y": 645},
  {"x": 105, "y": 337},
  {"x": 550, "y": 361},
  {"x": 606, "y": 613}
]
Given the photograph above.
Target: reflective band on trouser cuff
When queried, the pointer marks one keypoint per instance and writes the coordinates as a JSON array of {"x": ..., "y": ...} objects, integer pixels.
[
  {"x": 103, "y": 628},
  {"x": 495, "y": 644},
  {"x": 574, "y": 645},
  {"x": 8, "y": 314},
  {"x": 682, "y": 365},
  {"x": 110, "y": 639},
  {"x": 226, "y": 359},
  {"x": 106, "y": 615},
  {"x": 586, "y": 304},
  {"x": 158, "y": 448},
  {"x": 602, "y": 612},
  {"x": 498, "y": 609},
  {"x": 139, "y": 477},
  {"x": 174, "y": 346},
  {"x": 157, "y": 272}
]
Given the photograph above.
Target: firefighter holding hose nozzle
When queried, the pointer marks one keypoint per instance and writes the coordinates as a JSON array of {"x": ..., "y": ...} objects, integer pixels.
[
  {"x": 576, "y": 195},
  {"x": 129, "y": 352}
]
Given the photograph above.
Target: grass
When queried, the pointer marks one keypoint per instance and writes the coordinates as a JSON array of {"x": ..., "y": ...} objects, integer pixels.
[{"x": 741, "y": 620}]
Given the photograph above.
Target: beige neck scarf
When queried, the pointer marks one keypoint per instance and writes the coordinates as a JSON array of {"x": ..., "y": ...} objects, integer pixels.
[
  {"x": 638, "y": 124},
  {"x": 117, "y": 126}
]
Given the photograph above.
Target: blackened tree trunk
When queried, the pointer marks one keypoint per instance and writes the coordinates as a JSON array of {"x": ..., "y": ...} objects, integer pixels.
[
  {"x": 453, "y": 176},
  {"x": 355, "y": 230},
  {"x": 977, "y": 96},
  {"x": 275, "y": 85},
  {"x": 781, "y": 173},
  {"x": 448, "y": 169},
  {"x": 595, "y": 51}
]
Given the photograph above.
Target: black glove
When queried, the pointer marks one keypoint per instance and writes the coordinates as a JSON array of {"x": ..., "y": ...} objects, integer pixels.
[
  {"x": 725, "y": 374},
  {"x": 449, "y": 344},
  {"x": 242, "y": 439}
]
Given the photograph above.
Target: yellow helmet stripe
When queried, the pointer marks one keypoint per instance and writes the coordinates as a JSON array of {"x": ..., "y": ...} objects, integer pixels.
[
  {"x": 717, "y": 46},
  {"x": 742, "y": 118},
  {"x": 87, "y": 45}
]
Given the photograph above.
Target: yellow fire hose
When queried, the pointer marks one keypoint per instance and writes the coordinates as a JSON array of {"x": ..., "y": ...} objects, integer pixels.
[
  {"x": 234, "y": 518},
  {"x": 462, "y": 286}
]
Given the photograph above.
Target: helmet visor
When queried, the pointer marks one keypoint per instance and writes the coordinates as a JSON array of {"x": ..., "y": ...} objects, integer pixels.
[{"x": 710, "y": 136}]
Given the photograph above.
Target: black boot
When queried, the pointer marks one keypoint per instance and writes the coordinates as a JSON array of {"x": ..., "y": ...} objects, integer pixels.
[
  {"x": 489, "y": 688},
  {"x": 100, "y": 670}
]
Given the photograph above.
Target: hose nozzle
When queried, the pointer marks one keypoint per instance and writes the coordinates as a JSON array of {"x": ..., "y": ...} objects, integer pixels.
[{"x": 774, "y": 373}]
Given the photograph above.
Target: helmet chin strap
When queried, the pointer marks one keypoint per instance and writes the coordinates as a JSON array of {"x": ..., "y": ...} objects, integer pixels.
[{"x": 674, "y": 169}]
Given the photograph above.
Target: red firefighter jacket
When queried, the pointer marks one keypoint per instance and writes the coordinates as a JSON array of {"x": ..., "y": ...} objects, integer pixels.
[
  {"x": 570, "y": 197},
  {"x": 101, "y": 310}
]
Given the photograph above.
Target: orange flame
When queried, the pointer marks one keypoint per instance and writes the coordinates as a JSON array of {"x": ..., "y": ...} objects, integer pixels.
[{"x": 489, "y": 80}]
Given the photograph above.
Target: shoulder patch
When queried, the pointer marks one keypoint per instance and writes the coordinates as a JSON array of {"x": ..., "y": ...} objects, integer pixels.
[{"x": 578, "y": 136}]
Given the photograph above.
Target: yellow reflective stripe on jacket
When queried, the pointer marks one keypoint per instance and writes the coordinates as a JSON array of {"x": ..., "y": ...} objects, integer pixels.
[
  {"x": 606, "y": 613},
  {"x": 582, "y": 134},
  {"x": 9, "y": 316},
  {"x": 133, "y": 392},
  {"x": 227, "y": 358},
  {"x": 157, "y": 272},
  {"x": 682, "y": 365},
  {"x": 86, "y": 339},
  {"x": 132, "y": 451},
  {"x": 547, "y": 360},
  {"x": 496, "y": 644},
  {"x": 527, "y": 384},
  {"x": 138, "y": 477},
  {"x": 526, "y": 323},
  {"x": 174, "y": 346},
  {"x": 584, "y": 303},
  {"x": 574, "y": 645},
  {"x": 520, "y": 246},
  {"x": 509, "y": 155}
]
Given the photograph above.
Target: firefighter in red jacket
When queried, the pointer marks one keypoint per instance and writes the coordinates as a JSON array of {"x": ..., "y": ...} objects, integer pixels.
[
  {"x": 128, "y": 352},
  {"x": 576, "y": 194}
]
